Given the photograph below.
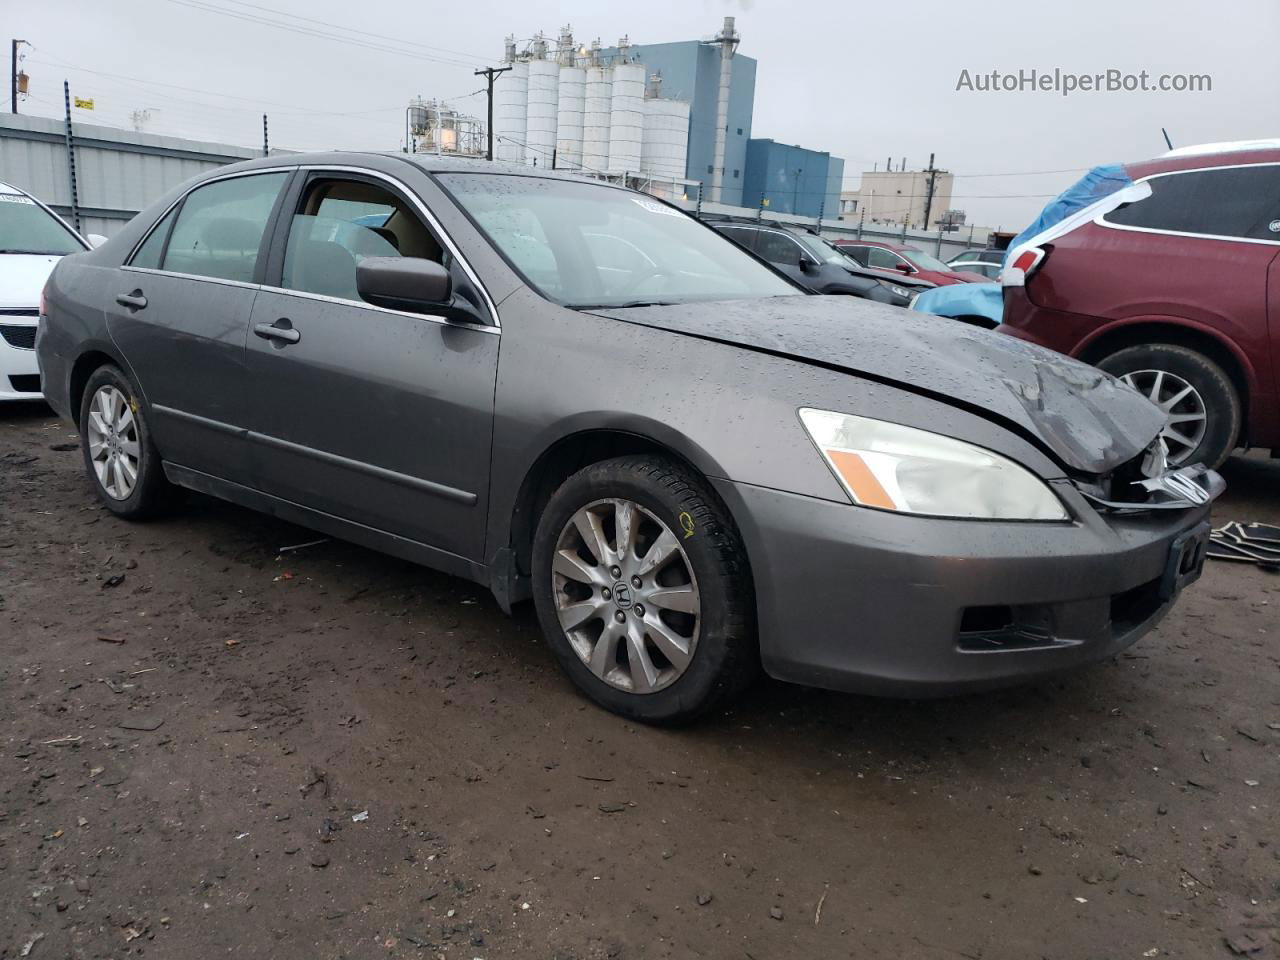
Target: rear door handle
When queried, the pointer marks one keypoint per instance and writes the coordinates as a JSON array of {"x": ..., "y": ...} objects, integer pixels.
[
  {"x": 281, "y": 330},
  {"x": 134, "y": 301}
]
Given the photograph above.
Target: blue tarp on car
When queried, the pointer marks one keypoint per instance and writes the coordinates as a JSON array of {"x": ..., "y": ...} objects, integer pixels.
[
  {"x": 1093, "y": 186},
  {"x": 963, "y": 300}
]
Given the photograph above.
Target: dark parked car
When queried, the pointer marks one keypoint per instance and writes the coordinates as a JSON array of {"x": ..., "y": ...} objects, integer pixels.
[
  {"x": 575, "y": 393},
  {"x": 1178, "y": 294},
  {"x": 909, "y": 261},
  {"x": 816, "y": 264}
]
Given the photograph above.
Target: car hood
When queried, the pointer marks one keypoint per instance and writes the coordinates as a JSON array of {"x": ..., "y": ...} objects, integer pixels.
[
  {"x": 22, "y": 277},
  {"x": 1086, "y": 419},
  {"x": 888, "y": 276}
]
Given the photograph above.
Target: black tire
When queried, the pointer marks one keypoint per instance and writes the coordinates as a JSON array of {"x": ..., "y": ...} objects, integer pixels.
[
  {"x": 1221, "y": 401},
  {"x": 152, "y": 492},
  {"x": 725, "y": 657}
]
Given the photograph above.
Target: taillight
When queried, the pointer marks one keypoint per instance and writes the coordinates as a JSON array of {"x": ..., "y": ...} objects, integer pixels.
[{"x": 1027, "y": 262}]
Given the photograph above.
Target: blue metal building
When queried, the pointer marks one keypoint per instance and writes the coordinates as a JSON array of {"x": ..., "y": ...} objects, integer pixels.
[
  {"x": 788, "y": 179},
  {"x": 690, "y": 70}
]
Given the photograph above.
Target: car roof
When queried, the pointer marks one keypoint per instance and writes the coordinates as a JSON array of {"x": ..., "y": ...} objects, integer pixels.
[
  {"x": 1240, "y": 153},
  {"x": 431, "y": 163}
]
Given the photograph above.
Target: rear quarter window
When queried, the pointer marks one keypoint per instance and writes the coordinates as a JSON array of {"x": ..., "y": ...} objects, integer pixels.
[{"x": 1239, "y": 202}]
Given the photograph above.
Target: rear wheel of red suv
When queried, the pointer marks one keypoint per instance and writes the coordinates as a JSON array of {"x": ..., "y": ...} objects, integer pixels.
[{"x": 1202, "y": 402}]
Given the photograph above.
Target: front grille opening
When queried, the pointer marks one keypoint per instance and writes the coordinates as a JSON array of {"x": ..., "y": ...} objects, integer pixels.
[
  {"x": 22, "y": 337},
  {"x": 986, "y": 619},
  {"x": 999, "y": 629},
  {"x": 26, "y": 383},
  {"x": 1134, "y": 607}
]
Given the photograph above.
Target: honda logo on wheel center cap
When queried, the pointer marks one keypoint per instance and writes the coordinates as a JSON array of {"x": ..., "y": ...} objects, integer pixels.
[{"x": 622, "y": 595}]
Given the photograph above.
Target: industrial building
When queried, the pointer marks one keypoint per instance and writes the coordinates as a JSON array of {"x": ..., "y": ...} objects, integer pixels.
[
  {"x": 791, "y": 179},
  {"x": 675, "y": 118},
  {"x": 902, "y": 196},
  {"x": 573, "y": 108}
]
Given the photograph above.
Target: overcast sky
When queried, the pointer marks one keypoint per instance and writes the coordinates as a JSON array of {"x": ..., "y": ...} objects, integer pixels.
[{"x": 862, "y": 80}]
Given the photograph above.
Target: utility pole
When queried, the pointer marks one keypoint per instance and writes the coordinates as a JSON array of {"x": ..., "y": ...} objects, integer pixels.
[
  {"x": 491, "y": 74},
  {"x": 13, "y": 75},
  {"x": 71, "y": 156},
  {"x": 928, "y": 199}
]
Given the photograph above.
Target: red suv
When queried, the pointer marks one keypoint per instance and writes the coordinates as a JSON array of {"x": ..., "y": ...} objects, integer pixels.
[
  {"x": 911, "y": 261},
  {"x": 1176, "y": 292}
]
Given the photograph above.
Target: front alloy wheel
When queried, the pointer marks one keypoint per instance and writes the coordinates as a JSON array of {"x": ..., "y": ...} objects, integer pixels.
[
  {"x": 643, "y": 589},
  {"x": 626, "y": 595}
]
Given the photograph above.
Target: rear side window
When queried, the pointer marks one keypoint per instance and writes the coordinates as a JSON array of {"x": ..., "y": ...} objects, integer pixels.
[
  {"x": 25, "y": 227},
  {"x": 743, "y": 236},
  {"x": 220, "y": 226},
  {"x": 1226, "y": 202},
  {"x": 148, "y": 255},
  {"x": 859, "y": 254}
]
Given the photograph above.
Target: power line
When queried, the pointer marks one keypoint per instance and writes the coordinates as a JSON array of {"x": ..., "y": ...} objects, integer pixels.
[
  {"x": 346, "y": 29},
  {"x": 208, "y": 7}
]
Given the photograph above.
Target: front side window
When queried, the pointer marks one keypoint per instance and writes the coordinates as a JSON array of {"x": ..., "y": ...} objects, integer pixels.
[
  {"x": 26, "y": 227},
  {"x": 340, "y": 222},
  {"x": 593, "y": 245},
  {"x": 886, "y": 259},
  {"x": 1226, "y": 202},
  {"x": 925, "y": 261},
  {"x": 778, "y": 248},
  {"x": 743, "y": 236},
  {"x": 220, "y": 226}
]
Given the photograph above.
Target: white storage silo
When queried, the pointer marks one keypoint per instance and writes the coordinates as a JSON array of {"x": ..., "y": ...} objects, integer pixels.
[
  {"x": 665, "y": 148},
  {"x": 570, "y": 117},
  {"x": 510, "y": 112},
  {"x": 626, "y": 118},
  {"x": 540, "y": 136},
  {"x": 596, "y": 113}
]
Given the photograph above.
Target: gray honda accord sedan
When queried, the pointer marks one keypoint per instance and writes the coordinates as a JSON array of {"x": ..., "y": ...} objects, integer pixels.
[{"x": 574, "y": 393}]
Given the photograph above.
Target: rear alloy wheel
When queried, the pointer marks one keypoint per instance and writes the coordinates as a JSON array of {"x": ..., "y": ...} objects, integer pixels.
[
  {"x": 120, "y": 458},
  {"x": 643, "y": 589},
  {"x": 1197, "y": 396}
]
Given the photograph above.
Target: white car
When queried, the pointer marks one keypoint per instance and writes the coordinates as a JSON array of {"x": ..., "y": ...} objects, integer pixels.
[{"x": 32, "y": 239}]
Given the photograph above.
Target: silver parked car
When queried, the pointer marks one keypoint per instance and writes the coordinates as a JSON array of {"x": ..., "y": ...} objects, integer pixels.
[{"x": 575, "y": 393}]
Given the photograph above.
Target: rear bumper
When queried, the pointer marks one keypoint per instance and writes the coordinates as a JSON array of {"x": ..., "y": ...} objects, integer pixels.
[
  {"x": 887, "y": 604},
  {"x": 19, "y": 373}
]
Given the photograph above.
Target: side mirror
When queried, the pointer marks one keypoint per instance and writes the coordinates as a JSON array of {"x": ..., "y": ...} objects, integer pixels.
[
  {"x": 96, "y": 240},
  {"x": 905, "y": 268},
  {"x": 807, "y": 265},
  {"x": 404, "y": 283}
]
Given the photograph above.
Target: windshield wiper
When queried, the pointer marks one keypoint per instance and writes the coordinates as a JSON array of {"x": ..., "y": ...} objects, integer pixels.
[
  {"x": 38, "y": 253},
  {"x": 622, "y": 306}
]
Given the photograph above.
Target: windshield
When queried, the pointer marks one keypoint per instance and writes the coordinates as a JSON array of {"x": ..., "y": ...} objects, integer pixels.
[
  {"x": 26, "y": 227},
  {"x": 925, "y": 261},
  {"x": 822, "y": 249},
  {"x": 591, "y": 245}
]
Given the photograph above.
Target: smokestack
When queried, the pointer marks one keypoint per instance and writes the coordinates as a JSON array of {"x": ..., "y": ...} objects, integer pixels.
[{"x": 728, "y": 40}]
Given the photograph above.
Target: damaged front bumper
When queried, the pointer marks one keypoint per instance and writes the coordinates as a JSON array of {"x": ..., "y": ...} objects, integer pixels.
[{"x": 893, "y": 604}]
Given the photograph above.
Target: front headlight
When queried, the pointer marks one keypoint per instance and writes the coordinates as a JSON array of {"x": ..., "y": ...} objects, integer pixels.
[{"x": 892, "y": 467}]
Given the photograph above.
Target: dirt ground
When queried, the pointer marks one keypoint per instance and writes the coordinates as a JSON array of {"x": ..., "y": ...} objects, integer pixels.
[{"x": 333, "y": 754}]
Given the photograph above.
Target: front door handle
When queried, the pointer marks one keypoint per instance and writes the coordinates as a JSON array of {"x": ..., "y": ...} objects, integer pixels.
[
  {"x": 134, "y": 301},
  {"x": 281, "y": 330}
]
